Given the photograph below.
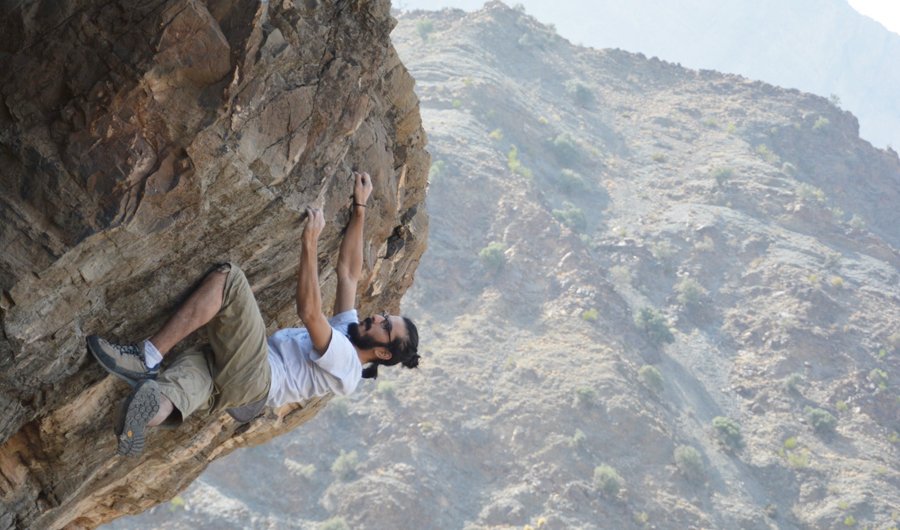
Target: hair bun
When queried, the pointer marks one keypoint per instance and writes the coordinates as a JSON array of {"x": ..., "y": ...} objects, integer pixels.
[{"x": 412, "y": 362}]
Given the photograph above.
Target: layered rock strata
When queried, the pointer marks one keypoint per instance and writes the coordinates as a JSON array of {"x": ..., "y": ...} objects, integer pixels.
[{"x": 142, "y": 142}]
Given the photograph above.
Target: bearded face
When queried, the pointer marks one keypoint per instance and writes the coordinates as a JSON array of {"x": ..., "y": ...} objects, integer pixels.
[{"x": 363, "y": 342}]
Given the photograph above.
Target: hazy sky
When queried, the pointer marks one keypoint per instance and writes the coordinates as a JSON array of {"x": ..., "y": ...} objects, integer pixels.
[{"x": 887, "y": 12}]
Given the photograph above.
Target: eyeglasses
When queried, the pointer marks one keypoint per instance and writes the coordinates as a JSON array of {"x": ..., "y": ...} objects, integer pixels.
[{"x": 386, "y": 324}]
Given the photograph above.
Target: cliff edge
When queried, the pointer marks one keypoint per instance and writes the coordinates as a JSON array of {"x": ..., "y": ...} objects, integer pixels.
[{"x": 140, "y": 144}]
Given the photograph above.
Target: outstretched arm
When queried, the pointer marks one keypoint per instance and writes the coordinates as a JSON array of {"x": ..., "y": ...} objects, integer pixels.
[
  {"x": 350, "y": 259},
  {"x": 309, "y": 297}
]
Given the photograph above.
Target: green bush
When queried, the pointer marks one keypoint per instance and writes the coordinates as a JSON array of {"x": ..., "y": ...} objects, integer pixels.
[
  {"x": 690, "y": 292},
  {"x": 766, "y": 153},
  {"x": 437, "y": 169},
  {"x": 565, "y": 150},
  {"x": 654, "y": 326},
  {"x": 572, "y": 182},
  {"x": 651, "y": 377},
  {"x": 798, "y": 459},
  {"x": 424, "y": 28},
  {"x": 515, "y": 165},
  {"x": 579, "y": 92},
  {"x": 879, "y": 377},
  {"x": 590, "y": 315},
  {"x": 728, "y": 432},
  {"x": 585, "y": 396},
  {"x": 809, "y": 193},
  {"x": 345, "y": 465},
  {"x": 493, "y": 256},
  {"x": 607, "y": 480},
  {"x": 821, "y": 123},
  {"x": 793, "y": 382},
  {"x": 335, "y": 523},
  {"x": 578, "y": 438},
  {"x": 571, "y": 216},
  {"x": 689, "y": 463},
  {"x": 821, "y": 420}
]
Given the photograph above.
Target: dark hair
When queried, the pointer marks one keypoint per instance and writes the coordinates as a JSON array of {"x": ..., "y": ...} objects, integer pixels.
[{"x": 402, "y": 351}]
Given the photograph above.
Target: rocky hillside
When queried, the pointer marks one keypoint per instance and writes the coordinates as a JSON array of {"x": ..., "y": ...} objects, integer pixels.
[
  {"x": 653, "y": 298},
  {"x": 141, "y": 143}
]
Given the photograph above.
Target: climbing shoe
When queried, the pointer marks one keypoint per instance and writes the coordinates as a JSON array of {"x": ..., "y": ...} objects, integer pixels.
[
  {"x": 125, "y": 361},
  {"x": 139, "y": 408}
]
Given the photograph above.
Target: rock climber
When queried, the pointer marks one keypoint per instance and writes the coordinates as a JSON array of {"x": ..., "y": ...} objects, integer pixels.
[{"x": 245, "y": 371}]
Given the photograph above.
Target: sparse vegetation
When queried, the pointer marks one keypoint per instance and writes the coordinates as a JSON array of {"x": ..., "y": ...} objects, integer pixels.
[
  {"x": 437, "y": 169},
  {"x": 571, "y": 216},
  {"x": 306, "y": 471},
  {"x": 766, "y": 153},
  {"x": 585, "y": 396},
  {"x": 571, "y": 182},
  {"x": 654, "y": 326},
  {"x": 578, "y": 438},
  {"x": 651, "y": 377},
  {"x": 821, "y": 123},
  {"x": 335, "y": 523},
  {"x": 722, "y": 175},
  {"x": 493, "y": 256},
  {"x": 515, "y": 165},
  {"x": 856, "y": 222},
  {"x": 565, "y": 149},
  {"x": 793, "y": 382},
  {"x": 496, "y": 135},
  {"x": 705, "y": 245},
  {"x": 659, "y": 158},
  {"x": 621, "y": 275},
  {"x": 798, "y": 459},
  {"x": 345, "y": 465},
  {"x": 809, "y": 193},
  {"x": 424, "y": 28},
  {"x": 579, "y": 92},
  {"x": 728, "y": 432},
  {"x": 690, "y": 292},
  {"x": 608, "y": 480},
  {"x": 821, "y": 420},
  {"x": 879, "y": 378},
  {"x": 590, "y": 315},
  {"x": 177, "y": 503},
  {"x": 689, "y": 463}
]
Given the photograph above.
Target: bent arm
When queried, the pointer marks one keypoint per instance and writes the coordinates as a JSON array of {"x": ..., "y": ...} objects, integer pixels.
[
  {"x": 350, "y": 259},
  {"x": 309, "y": 297}
]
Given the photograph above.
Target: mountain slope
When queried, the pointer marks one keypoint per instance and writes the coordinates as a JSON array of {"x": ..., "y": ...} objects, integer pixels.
[{"x": 586, "y": 204}]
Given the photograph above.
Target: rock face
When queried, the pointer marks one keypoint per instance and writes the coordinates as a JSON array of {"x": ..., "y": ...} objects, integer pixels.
[{"x": 140, "y": 143}]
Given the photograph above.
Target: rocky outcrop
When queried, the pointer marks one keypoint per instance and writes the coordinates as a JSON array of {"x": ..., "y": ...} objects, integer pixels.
[{"x": 139, "y": 144}]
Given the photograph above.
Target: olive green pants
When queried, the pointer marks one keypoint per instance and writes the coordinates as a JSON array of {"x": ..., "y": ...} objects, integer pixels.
[{"x": 236, "y": 370}]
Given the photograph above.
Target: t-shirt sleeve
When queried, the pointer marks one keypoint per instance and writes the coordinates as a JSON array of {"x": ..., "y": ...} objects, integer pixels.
[{"x": 341, "y": 361}]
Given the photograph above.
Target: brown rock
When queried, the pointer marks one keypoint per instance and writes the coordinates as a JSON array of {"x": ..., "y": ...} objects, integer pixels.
[{"x": 140, "y": 144}]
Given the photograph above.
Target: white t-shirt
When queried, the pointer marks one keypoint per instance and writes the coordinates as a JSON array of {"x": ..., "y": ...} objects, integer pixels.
[{"x": 299, "y": 373}]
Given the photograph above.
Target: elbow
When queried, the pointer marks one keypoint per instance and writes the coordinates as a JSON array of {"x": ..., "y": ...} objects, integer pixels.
[{"x": 346, "y": 277}]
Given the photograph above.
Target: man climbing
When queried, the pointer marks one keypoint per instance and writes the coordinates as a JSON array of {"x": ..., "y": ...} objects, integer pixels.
[{"x": 246, "y": 372}]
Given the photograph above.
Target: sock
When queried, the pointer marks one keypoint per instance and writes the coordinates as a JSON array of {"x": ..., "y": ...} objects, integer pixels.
[{"x": 152, "y": 357}]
